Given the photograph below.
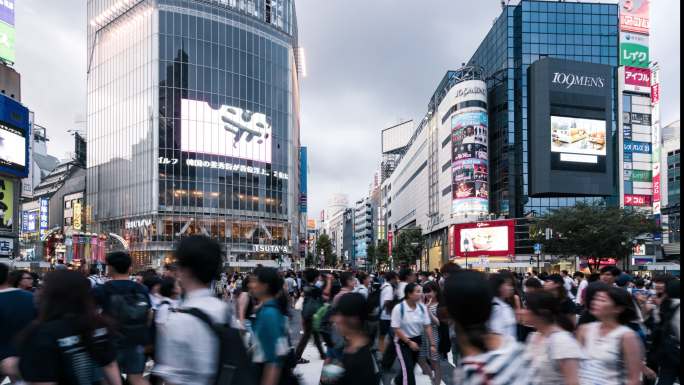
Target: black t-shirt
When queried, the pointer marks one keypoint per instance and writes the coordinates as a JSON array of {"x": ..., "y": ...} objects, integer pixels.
[
  {"x": 55, "y": 352},
  {"x": 16, "y": 311},
  {"x": 359, "y": 368},
  {"x": 125, "y": 335}
]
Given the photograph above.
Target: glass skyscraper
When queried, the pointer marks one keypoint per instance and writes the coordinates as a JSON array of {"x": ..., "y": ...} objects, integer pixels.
[
  {"x": 193, "y": 125},
  {"x": 522, "y": 34}
]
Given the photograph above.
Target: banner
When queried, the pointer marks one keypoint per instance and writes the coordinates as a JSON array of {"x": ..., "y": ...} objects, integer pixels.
[
  {"x": 637, "y": 80},
  {"x": 655, "y": 132},
  {"x": 634, "y": 16}
]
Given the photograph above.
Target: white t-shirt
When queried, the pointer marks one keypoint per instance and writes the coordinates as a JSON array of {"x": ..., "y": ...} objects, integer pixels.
[
  {"x": 400, "y": 289},
  {"x": 413, "y": 321},
  {"x": 502, "y": 321},
  {"x": 545, "y": 352},
  {"x": 568, "y": 283},
  {"x": 580, "y": 291},
  {"x": 386, "y": 294}
]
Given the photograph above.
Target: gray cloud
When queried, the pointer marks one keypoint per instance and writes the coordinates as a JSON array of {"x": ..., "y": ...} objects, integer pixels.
[{"x": 370, "y": 64}]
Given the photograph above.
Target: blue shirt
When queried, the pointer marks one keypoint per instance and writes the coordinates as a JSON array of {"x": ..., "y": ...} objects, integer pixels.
[
  {"x": 270, "y": 330},
  {"x": 17, "y": 311}
]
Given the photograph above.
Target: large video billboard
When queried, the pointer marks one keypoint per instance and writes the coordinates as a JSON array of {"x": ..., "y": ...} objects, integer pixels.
[
  {"x": 14, "y": 134},
  {"x": 634, "y": 16},
  {"x": 491, "y": 238},
  {"x": 570, "y": 115},
  {"x": 7, "y": 42},
  {"x": 6, "y": 204},
  {"x": 225, "y": 131}
]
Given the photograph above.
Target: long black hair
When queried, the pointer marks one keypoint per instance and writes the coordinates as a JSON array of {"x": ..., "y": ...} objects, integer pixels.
[
  {"x": 469, "y": 296},
  {"x": 274, "y": 282},
  {"x": 66, "y": 294},
  {"x": 546, "y": 306}
]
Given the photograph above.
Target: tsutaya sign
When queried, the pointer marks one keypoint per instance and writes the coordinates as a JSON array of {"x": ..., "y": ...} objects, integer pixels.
[
  {"x": 571, "y": 80},
  {"x": 272, "y": 249}
]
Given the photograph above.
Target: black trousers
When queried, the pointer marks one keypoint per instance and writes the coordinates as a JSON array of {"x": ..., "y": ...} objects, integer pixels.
[
  {"x": 667, "y": 375},
  {"x": 407, "y": 362},
  {"x": 307, "y": 326}
]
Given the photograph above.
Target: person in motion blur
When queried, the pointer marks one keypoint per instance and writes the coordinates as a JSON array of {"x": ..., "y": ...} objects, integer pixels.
[
  {"x": 69, "y": 344},
  {"x": 17, "y": 309},
  {"x": 554, "y": 353},
  {"x": 486, "y": 357},
  {"x": 503, "y": 319},
  {"x": 187, "y": 349},
  {"x": 614, "y": 353}
]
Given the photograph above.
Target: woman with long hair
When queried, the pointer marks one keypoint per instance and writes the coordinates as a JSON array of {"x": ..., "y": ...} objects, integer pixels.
[
  {"x": 486, "y": 357},
  {"x": 554, "y": 353},
  {"x": 503, "y": 320},
  {"x": 614, "y": 353},
  {"x": 246, "y": 304},
  {"x": 554, "y": 284},
  {"x": 410, "y": 319},
  {"x": 431, "y": 293},
  {"x": 69, "y": 342}
]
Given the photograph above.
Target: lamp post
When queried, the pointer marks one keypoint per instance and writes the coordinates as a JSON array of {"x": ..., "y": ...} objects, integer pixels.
[{"x": 466, "y": 243}]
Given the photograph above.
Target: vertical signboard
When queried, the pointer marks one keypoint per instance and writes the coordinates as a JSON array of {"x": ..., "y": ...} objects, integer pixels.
[
  {"x": 303, "y": 193},
  {"x": 76, "y": 221},
  {"x": 6, "y": 204},
  {"x": 634, "y": 16},
  {"x": 655, "y": 133},
  {"x": 44, "y": 208},
  {"x": 637, "y": 80}
]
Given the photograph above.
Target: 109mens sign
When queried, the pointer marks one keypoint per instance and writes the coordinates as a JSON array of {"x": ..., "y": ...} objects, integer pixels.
[{"x": 570, "y": 80}]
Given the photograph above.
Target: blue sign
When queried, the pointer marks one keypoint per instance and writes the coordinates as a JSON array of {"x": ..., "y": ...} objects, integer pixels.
[
  {"x": 631, "y": 146},
  {"x": 44, "y": 208},
  {"x": 303, "y": 182},
  {"x": 537, "y": 248},
  {"x": 14, "y": 137}
]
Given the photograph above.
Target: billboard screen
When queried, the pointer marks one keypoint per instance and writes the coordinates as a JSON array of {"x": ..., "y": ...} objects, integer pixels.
[
  {"x": 6, "y": 204},
  {"x": 634, "y": 16},
  {"x": 492, "y": 238},
  {"x": 225, "y": 131},
  {"x": 7, "y": 11},
  {"x": 7, "y": 42},
  {"x": 634, "y": 50},
  {"x": 578, "y": 140},
  {"x": 469, "y": 163},
  {"x": 637, "y": 80},
  {"x": 14, "y": 134}
]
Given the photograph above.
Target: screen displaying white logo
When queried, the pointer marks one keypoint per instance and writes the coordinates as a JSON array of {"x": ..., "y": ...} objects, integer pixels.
[
  {"x": 570, "y": 80},
  {"x": 227, "y": 131}
]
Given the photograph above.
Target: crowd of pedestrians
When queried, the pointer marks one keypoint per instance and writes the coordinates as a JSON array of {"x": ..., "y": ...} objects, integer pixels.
[{"x": 193, "y": 323}]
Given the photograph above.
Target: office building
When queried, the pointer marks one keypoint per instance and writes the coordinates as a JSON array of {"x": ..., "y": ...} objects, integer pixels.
[
  {"x": 363, "y": 231},
  {"x": 671, "y": 181},
  {"x": 193, "y": 126}
]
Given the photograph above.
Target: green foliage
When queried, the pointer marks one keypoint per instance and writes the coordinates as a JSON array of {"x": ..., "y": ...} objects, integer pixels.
[
  {"x": 324, "y": 249},
  {"x": 408, "y": 246},
  {"x": 381, "y": 255},
  {"x": 591, "y": 231}
]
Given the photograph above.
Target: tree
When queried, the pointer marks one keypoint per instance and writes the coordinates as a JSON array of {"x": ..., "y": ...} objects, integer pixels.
[
  {"x": 381, "y": 255},
  {"x": 324, "y": 248},
  {"x": 408, "y": 247},
  {"x": 370, "y": 255},
  {"x": 595, "y": 231}
]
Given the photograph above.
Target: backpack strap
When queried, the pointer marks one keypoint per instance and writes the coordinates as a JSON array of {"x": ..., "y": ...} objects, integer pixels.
[{"x": 199, "y": 314}]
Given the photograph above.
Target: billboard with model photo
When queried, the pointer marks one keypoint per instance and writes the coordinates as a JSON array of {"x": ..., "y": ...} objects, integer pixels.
[
  {"x": 579, "y": 137},
  {"x": 491, "y": 238}
]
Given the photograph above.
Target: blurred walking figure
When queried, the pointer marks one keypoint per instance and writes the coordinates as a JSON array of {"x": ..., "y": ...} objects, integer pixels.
[
  {"x": 70, "y": 343},
  {"x": 486, "y": 357},
  {"x": 613, "y": 351}
]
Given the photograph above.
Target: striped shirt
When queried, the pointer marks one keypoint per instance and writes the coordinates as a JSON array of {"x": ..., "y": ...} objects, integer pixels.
[{"x": 506, "y": 365}]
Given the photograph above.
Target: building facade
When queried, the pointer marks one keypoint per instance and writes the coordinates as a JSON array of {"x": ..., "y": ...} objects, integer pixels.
[
  {"x": 363, "y": 231},
  {"x": 671, "y": 189},
  {"x": 193, "y": 126}
]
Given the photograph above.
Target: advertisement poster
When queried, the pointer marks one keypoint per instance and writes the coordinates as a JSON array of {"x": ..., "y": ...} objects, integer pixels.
[
  {"x": 634, "y": 16},
  {"x": 492, "y": 238},
  {"x": 578, "y": 136},
  {"x": 6, "y": 204},
  {"x": 637, "y": 80},
  {"x": 469, "y": 163},
  {"x": 225, "y": 131}
]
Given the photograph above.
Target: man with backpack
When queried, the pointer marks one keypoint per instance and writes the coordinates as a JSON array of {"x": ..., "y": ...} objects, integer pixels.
[
  {"x": 387, "y": 300},
  {"x": 196, "y": 343},
  {"x": 127, "y": 304},
  {"x": 313, "y": 301}
]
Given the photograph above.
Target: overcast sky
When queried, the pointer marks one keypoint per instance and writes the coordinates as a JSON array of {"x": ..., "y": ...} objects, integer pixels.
[{"x": 371, "y": 63}]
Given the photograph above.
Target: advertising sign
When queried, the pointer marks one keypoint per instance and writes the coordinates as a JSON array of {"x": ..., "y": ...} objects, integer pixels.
[
  {"x": 637, "y": 80},
  {"x": 469, "y": 164},
  {"x": 634, "y": 16},
  {"x": 6, "y": 204},
  {"x": 641, "y": 176},
  {"x": 637, "y": 200},
  {"x": 6, "y": 246},
  {"x": 225, "y": 131},
  {"x": 29, "y": 221},
  {"x": 76, "y": 221},
  {"x": 631, "y": 146},
  {"x": 655, "y": 132},
  {"x": 7, "y": 42},
  {"x": 303, "y": 181},
  {"x": 492, "y": 238},
  {"x": 44, "y": 209},
  {"x": 7, "y": 11},
  {"x": 634, "y": 54},
  {"x": 14, "y": 131},
  {"x": 578, "y": 140}
]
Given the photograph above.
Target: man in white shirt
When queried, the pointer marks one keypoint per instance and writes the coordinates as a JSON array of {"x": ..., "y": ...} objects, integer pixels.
[
  {"x": 568, "y": 283},
  {"x": 406, "y": 276},
  {"x": 581, "y": 287},
  {"x": 386, "y": 297},
  {"x": 187, "y": 349}
]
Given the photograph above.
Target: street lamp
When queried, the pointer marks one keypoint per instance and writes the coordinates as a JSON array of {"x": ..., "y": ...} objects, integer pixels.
[{"x": 466, "y": 242}]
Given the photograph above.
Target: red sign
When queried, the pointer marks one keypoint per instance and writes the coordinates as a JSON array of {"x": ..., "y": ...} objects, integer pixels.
[
  {"x": 656, "y": 188},
  {"x": 637, "y": 79},
  {"x": 390, "y": 236},
  {"x": 634, "y": 16},
  {"x": 484, "y": 239},
  {"x": 655, "y": 93},
  {"x": 637, "y": 200}
]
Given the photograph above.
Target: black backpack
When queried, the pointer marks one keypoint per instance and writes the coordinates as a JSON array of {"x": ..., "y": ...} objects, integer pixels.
[
  {"x": 130, "y": 309},
  {"x": 235, "y": 366},
  {"x": 313, "y": 301},
  {"x": 669, "y": 348},
  {"x": 373, "y": 306}
]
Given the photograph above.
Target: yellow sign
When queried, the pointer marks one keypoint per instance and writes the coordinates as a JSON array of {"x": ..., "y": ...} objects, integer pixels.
[
  {"x": 77, "y": 216},
  {"x": 311, "y": 224},
  {"x": 6, "y": 204}
]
